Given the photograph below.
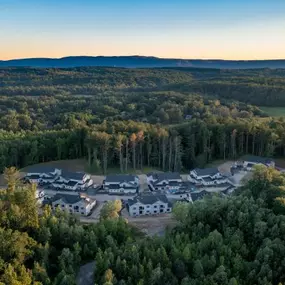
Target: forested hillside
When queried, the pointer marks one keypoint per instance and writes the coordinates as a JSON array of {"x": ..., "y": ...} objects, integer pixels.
[
  {"x": 172, "y": 119},
  {"x": 263, "y": 87},
  {"x": 218, "y": 241}
]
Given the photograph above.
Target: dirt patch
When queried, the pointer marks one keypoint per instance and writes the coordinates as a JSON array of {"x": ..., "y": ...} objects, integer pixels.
[
  {"x": 225, "y": 167},
  {"x": 154, "y": 225},
  {"x": 73, "y": 165}
]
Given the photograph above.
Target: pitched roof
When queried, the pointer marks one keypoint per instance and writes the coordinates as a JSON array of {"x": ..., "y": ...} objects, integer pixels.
[
  {"x": 120, "y": 178},
  {"x": 199, "y": 195},
  {"x": 66, "y": 198},
  {"x": 256, "y": 159},
  {"x": 72, "y": 175},
  {"x": 206, "y": 171},
  {"x": 148, "y": 199},
  {"x": 71, "y": 199},
  {"x": 34, "y": 176},
  {"x": 165, "y": 176}
]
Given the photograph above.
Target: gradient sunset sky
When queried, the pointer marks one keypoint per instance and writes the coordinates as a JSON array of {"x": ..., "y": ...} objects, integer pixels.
[{"x": 227, "y": 29}]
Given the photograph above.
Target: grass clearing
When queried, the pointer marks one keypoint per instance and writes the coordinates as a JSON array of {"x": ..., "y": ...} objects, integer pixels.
[{"x": 274, "y": 111}]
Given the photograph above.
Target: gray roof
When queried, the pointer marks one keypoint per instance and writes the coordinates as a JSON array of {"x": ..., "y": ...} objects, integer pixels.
[
  {"x": 165, "y": 176},
  {"x": 72, "y": 175},
  {"x": 71, "y": 183},
  {"x": 34, "y": 176},
  {"x": 206, "y": 171},
  {"x": 70, "y": 199},
  {"x": 120, "y": 178},
  {"x": 256, "y": 159},
  {"x": 40, "y": 169},
  {"x": 66, "y": 198},
  {"x": 147, "y": 199},
  {"x": 199, "y": 195}
]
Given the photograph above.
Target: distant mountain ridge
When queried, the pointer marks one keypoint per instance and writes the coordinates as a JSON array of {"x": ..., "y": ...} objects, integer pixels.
[{"x": 140, "y": 62}]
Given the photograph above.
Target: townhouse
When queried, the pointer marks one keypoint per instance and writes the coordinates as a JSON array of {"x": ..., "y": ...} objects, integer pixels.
[
  {"x": 207, "y": 177},
  {"x": 148, "y": 204},
  {"x": 247, "y": 162},
  {"x": 75, "y": 204},
  {"x": 121, "y": 184},
  {"x": 170, "y": 181},
  {"x": 42, "y": 174},
  {"x": 74, "y": 181}
]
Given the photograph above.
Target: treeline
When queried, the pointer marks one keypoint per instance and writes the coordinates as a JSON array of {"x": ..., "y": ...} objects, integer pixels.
[
  {"x": 217, "y": 241},
  {"x": 130, "y": 145}
]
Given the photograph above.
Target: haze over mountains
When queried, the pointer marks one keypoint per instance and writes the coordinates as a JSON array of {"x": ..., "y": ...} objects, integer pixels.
[{"x": 139, "y": 62}]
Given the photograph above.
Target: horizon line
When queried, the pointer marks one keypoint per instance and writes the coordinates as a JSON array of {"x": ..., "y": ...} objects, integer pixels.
[{"x": 142, "y": 56}]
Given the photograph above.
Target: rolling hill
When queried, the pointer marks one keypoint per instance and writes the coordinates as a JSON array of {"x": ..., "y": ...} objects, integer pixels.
[{"x": 139, "y": 62}]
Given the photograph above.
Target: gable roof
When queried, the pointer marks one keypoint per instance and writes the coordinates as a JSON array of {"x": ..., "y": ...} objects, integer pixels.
[
  {"x": 72, "y": 175},
  {"x": 206, "y": 171},
  {"x": 148, "y": 199},
  {"x": 120, "y": 178},
  {"x": 199, "y": 195},
  {"x": 66, "y": 198},
  {"x": 71, "y": 199},
  {"x": 256, "y": 159}
]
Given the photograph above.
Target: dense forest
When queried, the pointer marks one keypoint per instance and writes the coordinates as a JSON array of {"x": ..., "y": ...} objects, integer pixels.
[
  {"x": 217, "y": 241},
  {"x": 135, "y": 118},
  {"x": 261, "y": 87}
]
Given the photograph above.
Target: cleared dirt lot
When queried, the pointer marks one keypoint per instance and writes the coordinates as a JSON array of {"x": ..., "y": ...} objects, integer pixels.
[{"x": 151, "y": 225}]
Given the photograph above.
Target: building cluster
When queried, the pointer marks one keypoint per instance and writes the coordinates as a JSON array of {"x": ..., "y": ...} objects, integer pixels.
[
  {"x": 207, "y": 177},
  {"x": 75, "y": 204},
  {"x": 148, "y": 204},
  {"x": 121, "y": 184},
  {"x": 59, "y": 179},
  {"x": 163, "y": 187},
  {"x": 247, "y": 162}
]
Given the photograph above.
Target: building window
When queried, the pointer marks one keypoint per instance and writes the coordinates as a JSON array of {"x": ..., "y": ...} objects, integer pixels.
[
  {"x": 82, "y": 208},
  {"x": 155, "y": 206},
  {"x": 62, "y": 205},
  {"x": 155, "y": 212},
  {"x": 70, "y": 205},
  {"x": 134, "y": 208},
  {"x": 148, "y": 206},
  {"x": 82, "y": 213}
]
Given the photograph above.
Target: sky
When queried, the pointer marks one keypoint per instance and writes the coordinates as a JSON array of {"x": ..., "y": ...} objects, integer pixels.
[{"x": 205, "y": 29}]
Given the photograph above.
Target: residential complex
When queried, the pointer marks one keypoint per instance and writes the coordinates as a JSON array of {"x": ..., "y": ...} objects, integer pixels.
[
  {"x": 247, "y": 162},
  {"x": 148, "y": 204},
  {"x": 169, "y": 183},
  {"x": 42, "y": 175},
  {"x": 76, "y": 204},
  {"x": 59, "y": 179},
  {"x": 121, "y": 184},
  {"x": 207, "y": 177}
]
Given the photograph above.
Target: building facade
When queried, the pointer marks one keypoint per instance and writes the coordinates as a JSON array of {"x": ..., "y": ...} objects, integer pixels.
[
  {"x": 74, "y": 204},
  {"x": 169, "y": 181},
  {"x": 148, "y": 204},
  {"x": 121, "y": 184},
  {"x": 207, "y": 177}
]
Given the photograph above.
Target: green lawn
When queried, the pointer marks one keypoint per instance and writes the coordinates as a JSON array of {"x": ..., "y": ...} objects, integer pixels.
[{"x": 274, "y": 111}]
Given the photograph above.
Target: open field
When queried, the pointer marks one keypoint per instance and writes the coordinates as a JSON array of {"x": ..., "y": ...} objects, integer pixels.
[
  {"x": 81, "y": 165},
  {"x": 274, "y": 111}
]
